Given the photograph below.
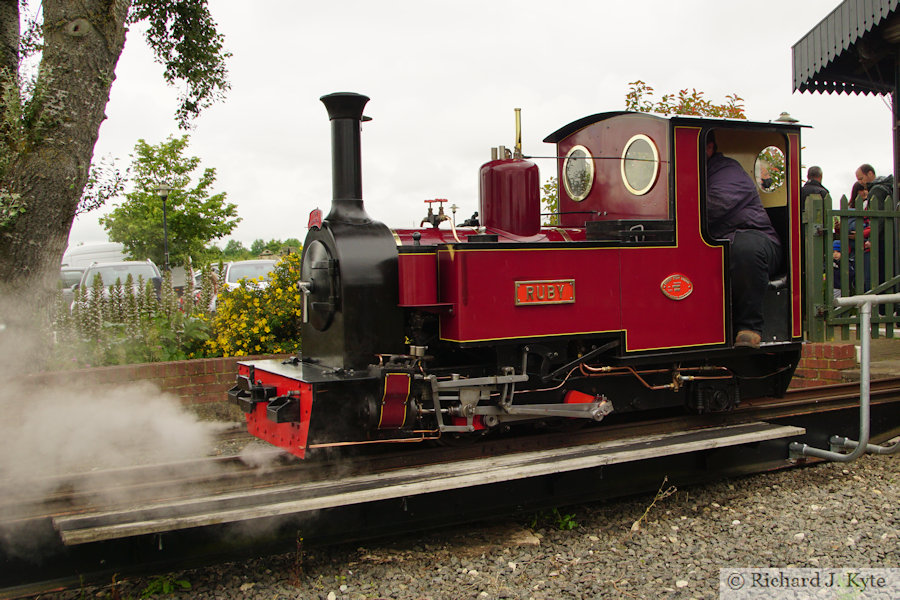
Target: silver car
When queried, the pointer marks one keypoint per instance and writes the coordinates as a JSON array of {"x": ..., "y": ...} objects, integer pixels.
[
  {"x": 69, "y": 279},
  {"x": 258, "y": 272},
  {"x": 119, "y": 271}
]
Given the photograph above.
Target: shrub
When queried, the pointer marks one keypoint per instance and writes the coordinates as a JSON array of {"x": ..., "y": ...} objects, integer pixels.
[
  {"x": 126, "y": 325},
  {"x": 259, "y": 320}
]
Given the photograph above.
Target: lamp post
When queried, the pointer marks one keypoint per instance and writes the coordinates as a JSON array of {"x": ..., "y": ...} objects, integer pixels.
[{"x": 162, "y": 190}]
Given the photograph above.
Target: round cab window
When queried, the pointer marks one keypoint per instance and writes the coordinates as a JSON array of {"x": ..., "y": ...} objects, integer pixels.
[
  {"x": 768, "y": 171},
  {"x": 640, "y": 164},
  {"x": 578, "y": 173}
]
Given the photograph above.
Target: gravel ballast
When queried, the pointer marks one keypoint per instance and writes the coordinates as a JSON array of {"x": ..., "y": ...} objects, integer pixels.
[{"x": 824, "y": 516}]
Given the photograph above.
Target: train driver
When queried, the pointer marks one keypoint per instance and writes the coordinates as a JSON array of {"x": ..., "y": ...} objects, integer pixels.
[{"x": 735, "y": 212}]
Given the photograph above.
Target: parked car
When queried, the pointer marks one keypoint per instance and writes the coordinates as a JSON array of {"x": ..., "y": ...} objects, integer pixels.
[
  {"x": 199, "y": 274},
  {"x": 69, "y": 278},
  {"x": 119, "y": 271},
  {"x": 257, "y": 271}
]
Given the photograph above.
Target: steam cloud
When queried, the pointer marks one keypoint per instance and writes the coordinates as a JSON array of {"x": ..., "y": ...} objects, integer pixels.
[{"x": 52, "y": 433}]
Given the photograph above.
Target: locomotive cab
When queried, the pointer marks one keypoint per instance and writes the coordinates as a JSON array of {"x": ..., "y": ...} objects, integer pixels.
[
  {"x": 639, "y": 181},
  {"x": 766, "y": 156}
]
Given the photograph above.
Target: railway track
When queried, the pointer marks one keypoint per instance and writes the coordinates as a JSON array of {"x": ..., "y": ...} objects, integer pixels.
[{"x": 95, "y": 512}]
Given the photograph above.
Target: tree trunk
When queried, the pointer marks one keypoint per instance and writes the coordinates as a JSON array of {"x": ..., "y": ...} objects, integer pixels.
[
  {"x": 49, "y": 168},
  {"x": 9, "y": 36}
]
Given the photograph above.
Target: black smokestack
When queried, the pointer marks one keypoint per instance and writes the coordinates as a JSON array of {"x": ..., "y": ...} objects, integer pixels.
[{"x": 345, "y": 111}]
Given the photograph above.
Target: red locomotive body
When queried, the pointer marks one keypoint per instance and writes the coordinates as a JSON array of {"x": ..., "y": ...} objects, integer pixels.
[{"x": 417, "y": 334}]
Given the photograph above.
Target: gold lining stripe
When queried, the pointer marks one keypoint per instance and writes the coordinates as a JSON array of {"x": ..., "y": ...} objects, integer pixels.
[{"x": 627, "y": 348}]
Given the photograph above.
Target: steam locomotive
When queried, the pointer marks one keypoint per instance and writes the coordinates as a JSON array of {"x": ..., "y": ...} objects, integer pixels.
[{"x": 455, "y": 331}]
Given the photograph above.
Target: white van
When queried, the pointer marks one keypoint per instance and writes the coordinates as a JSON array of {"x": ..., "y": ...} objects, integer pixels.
[{"x": 86, "y": 254}]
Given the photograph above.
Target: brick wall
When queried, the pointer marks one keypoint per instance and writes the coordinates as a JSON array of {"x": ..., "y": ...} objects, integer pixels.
[
  {"x": 192, "y": 381},
  {"x": 822, "y": 364}
]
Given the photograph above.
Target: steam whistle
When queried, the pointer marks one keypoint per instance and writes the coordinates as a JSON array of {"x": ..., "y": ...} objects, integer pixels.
[
  {"x": 517, "y": 154},
  {"x": 504, "y": 153}
]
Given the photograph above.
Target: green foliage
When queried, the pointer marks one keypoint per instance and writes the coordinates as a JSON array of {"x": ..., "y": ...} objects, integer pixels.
[
  {"x": 772, "y": 160},
  {"x": 25, "y": 114},
  {"x": 184, "y": 39},
  {"x": 553, "y": 518},
  {"x": 11, "y": 207},
  {"x": 235, "y": 250},
  {"x": 550, "y": 201},
  {"x": 126, "y": 323},
  {"x": 164, "y": 585},
  {"x": 104, "y": 182},
  {"x": 683, "y": 103},
  {"x": 194, "y": 217},
  {"x": 260, "y": 320},
  {"x": 564, "y": 522},
  {"x": 257, "y": 246}
]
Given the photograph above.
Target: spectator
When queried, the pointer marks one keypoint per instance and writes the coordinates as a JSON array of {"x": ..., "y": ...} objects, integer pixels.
[
  {"x": 880, "y": 190},
  {"x": 880, "y": 197},
  {"x": 735, "y": 212},
  {"x": 865, "y": 175},
  {"x": 859, "y": 200},
  {"x": 836, "y": 266},
  {"x": 813, "y": 186}
]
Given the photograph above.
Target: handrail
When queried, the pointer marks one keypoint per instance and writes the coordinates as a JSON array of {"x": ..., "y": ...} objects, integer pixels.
[{"x": 864, "y": 302}]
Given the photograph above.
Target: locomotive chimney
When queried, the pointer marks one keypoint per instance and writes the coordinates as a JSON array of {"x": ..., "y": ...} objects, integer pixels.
[{"x": 345, "y": 112}]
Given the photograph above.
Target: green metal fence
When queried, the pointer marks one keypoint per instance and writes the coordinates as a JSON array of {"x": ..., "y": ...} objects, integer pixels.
[{"x": 868, "y": 263}]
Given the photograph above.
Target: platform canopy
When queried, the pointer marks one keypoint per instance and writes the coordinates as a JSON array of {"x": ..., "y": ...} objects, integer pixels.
[{"x": 854, "y": 50}]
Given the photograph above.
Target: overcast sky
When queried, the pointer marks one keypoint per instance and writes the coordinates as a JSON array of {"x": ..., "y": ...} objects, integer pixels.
[{"x": 444, "y": 78}]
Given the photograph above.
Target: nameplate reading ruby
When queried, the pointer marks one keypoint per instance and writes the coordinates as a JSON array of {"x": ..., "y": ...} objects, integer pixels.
[
  {"x": 676, "y": 286},
  {"x": 556, "y": 291}
]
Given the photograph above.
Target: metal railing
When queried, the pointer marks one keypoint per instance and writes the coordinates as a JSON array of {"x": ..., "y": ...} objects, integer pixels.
[{"x": 838, "y": 443}]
